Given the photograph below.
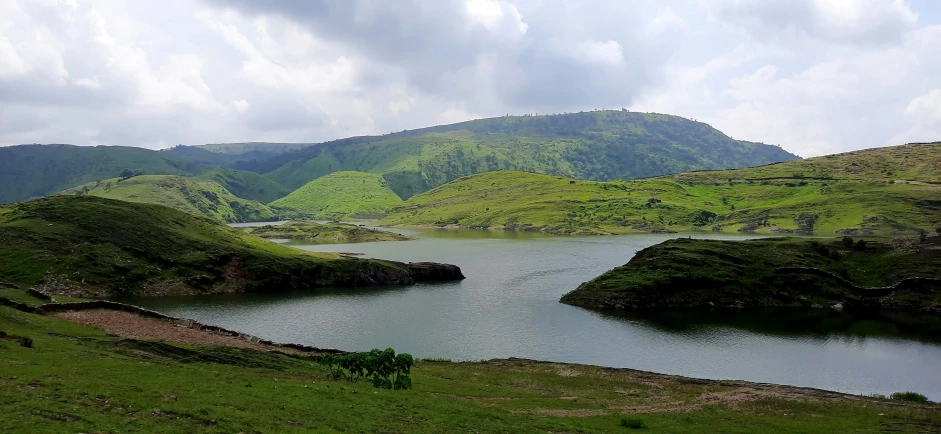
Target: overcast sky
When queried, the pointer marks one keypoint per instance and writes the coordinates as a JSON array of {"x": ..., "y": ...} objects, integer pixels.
[{"x": 815, "y": 76}]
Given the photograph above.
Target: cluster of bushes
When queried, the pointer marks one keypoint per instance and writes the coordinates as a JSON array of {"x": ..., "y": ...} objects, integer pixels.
[{"x": 385, "y": 369}]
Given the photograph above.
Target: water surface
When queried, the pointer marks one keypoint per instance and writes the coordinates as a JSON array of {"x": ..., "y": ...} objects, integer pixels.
[{"x": 508, "y": 306}]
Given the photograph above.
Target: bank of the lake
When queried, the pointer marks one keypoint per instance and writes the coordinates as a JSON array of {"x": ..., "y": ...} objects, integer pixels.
[
  {"x": 75, "y": 378},
  {"x": 508, "y": 307}
]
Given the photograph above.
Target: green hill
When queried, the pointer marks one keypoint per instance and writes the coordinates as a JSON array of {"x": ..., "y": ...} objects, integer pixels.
[
  {"x": 207, "y": 199},
  {"x": 94, "y": 246},
  {"x": 30, "y": 171},
  {"x": 751, "y": 200},
  {"x": 773, "y": 272},
  {"x": 246, "y": 185},
  {"x": 600, "y": 145},
  {"x": 339, "y": 195}
]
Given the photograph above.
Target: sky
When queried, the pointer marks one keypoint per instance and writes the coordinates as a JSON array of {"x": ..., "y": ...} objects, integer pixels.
[{"x": 813, "y": 76}]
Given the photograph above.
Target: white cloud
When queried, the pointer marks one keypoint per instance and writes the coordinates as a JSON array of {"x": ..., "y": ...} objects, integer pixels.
[
  {"x": 240, "y": 105},
  {"x": 815, "y": 76},
  {"x": 90, "y": 83}
]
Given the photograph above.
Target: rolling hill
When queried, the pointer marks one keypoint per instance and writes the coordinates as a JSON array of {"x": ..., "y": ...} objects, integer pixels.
[
  {"x": 207, "y": 199},
  {"x": 91, "y": 246},
  {"x": 31, "y": 171},
  {"x": 753, "y": 200},
  {"x": 243, "y": 184},
  {"x": 601, "y": 145},
  {"x": 340, "y": 195}
]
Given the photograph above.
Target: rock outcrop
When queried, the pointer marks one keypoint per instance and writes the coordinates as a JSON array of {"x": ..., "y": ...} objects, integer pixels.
[{"x": 433, "y": 271}]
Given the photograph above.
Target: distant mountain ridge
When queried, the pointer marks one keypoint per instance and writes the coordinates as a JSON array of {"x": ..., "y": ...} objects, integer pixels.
[{"x": 600, "y": 145}]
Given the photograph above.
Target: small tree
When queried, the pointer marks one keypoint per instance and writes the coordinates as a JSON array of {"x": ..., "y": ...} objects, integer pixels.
[{"x": 126, "y": 173}]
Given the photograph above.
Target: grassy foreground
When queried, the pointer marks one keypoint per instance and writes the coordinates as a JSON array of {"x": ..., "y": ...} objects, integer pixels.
[
  {"x": 884, "y": 191},
  {"x": 77, "y": 379},
  {"x": 324, "y": 233},
  {"x": 340, "y": 195},
  {"x": 90, "y": 246},
  {"x": 207, "y": 198},
  {"x": 773, "y": 272}
]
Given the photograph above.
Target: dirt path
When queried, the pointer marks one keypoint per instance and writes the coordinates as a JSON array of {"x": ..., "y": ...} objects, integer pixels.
[{"x": 133, "y": 326}]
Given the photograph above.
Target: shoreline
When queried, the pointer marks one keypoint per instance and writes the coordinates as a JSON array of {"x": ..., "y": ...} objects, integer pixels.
[{"x": 137, "y": 323}]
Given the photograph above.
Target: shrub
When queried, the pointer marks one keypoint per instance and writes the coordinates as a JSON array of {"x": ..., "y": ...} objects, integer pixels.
[
  {"x": 386, "y": 369},
  {"x": 908, "y": 396},
  {"x": 847, "y": 242},
  {"x": 633, "y": 423},
  {"x": 860, "y": 245}
]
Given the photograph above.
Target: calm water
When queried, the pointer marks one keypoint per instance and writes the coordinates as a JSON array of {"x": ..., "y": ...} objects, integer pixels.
[{"x": 508, "y": 306}]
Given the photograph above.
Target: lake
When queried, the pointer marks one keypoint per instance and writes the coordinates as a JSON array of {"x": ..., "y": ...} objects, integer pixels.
[{"x": 508, "y": 307}]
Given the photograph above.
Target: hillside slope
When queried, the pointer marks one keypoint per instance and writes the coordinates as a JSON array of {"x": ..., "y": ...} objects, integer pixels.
[
  {"x": 30, "y": 171},
  {"x": 340, "y": 195},
  {"x": 91, "y": 246},
  {"x": 244, "y": 184},
  {"x": 751, "y": 200},
  {"x": 600, "y": 145},
  {"x": 207, "y": 199},
  {"x": 773, "y": 272}
]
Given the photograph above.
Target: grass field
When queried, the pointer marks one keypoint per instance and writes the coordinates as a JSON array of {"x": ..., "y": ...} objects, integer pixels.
[
  {"x": 340, "y": 195},
  {"x": 817, "y": 196},
  {"x": 207, "y": 198},
  {"x": 77, "y": 379}
]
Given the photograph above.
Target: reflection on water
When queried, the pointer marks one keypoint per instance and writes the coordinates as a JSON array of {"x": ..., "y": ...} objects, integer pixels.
[
  {"x": 821, "y": 324},
  {"x": 508, "y": 306}
]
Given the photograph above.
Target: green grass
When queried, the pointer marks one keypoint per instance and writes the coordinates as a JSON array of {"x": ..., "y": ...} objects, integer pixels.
[
  {"x": 246, "y": 185},
  {"x": 90, "y": 246},
  {"x": 684, "y": 272},
  {"x": 207, "y": 199},
  {"x": 601, "y": 145},
  {"x": 340, "y": 195},
  {"x": 745, "y": 200},
  {"x": 76, "y": 379},
  {"x": 324, "y": 233}
]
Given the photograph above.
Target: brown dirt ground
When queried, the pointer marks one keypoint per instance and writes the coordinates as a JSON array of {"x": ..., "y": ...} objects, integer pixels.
[{"x": 133, "y": 326}]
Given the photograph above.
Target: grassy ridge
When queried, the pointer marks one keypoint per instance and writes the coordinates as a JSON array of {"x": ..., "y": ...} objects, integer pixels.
[
  {"x": 600, "y": 145},
  {"x": 207, "y": 199},
  {"x": 755, "y": 200},
  {"x": 774, "y": 272},
  {"x": 337, "y": 196},
  {"x": 77, "y": 379},
  {"x": 246, "y": 185},
  {"x": 327, "y": 233},
  {"x": 95, "y": 246},
  {"x": 31, "y": 171}
]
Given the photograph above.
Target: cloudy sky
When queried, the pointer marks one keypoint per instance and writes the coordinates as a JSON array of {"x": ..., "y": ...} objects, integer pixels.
[{"x": 815, "y": 76}]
